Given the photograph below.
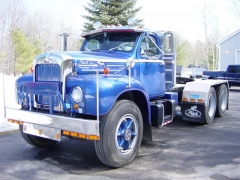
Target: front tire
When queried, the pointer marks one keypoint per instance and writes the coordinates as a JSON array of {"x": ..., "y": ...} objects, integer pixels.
[
  {"x": 222, "y": 100},
  {"x": 210, "y": 109},
  {"x": 120, "y": 134},
  {"x": 35, "y": 140}
]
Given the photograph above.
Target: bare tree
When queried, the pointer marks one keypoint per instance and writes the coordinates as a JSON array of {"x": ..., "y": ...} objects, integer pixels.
[
  {"x": 206, "y": 13},
  {"x": 197, "y": 53},
  {"x": 236, "y": 4},
  {"x": 12, "y": 16}
]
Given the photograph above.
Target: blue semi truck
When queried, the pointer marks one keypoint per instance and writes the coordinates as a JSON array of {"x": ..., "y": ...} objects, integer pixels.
[{"x": 119, "y": 85}]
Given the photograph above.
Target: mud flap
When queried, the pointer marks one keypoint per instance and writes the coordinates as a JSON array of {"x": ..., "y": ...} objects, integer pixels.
[{"x": 193, "y": 112}]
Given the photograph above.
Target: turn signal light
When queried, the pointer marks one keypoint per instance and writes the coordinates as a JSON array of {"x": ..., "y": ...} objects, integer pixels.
[
  {"x": 75, "y": 106},
  {"x": 79, "y": 135},
  {"x": 106, "y": 70},
  {"x": 15, "y": 121},
  {"x": 31, "y": 70}
]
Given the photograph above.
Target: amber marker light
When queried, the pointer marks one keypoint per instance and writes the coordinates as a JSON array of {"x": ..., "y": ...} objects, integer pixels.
[
  {"x": 200, "y": 100},
  {"x": 79, "y": 135},
  {"x": 31, "y": 70},
  {"x": 192, "y": 100},
  {"x": 185, "y": 99},
  {"x": 75, "y": 106},
  {"x": 15, "y": 121},
  {"x": 106, "y": 71}
]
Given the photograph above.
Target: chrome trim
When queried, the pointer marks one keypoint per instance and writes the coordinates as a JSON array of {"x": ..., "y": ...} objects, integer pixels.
[
  {"x": 78, "y": 125},
  {"x": 66, "y": 69},
  {"x": 97, "y": 94},
  {"x": 65, "y": 63},
  {"x": 100, "y": 61}
]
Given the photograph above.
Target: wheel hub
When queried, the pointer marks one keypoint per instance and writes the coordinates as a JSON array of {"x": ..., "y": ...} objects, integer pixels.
[{"x": 127, "y": 134}]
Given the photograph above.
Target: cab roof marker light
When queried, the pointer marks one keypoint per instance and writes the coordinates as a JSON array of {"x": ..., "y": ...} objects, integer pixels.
[
  {"x": 131, "y": 21},
  {"x": 97, "y": 25}
]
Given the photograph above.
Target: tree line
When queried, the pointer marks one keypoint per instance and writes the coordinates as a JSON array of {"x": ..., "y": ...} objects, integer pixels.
[{"x": 24, "y": 35}]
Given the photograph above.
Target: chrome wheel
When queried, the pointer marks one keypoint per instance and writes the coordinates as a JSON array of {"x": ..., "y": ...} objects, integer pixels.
[
  {"x": 224, "y": 99},
  {"x": 126, "y": 132},
  {"x": 211, "y": 105}
]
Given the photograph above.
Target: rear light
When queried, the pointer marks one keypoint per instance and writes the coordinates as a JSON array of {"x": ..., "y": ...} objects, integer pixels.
[
  {"x": 192, "y": 100},
  {"x": 185, "y": 99}
]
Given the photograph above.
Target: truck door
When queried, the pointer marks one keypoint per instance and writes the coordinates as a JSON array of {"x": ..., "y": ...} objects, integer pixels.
[
  {"x": 152, "y": 69},
  {"x": 231, "y": 75}
]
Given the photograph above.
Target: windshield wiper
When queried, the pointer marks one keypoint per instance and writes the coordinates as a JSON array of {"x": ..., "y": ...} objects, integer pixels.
[{"x": 120, "y": 46}]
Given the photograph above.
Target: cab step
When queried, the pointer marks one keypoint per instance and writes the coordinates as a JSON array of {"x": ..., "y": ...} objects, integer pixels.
[{"x": 162, "y": 112}]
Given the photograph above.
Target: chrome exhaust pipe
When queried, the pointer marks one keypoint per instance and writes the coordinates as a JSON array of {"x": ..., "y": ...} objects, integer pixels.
[{"x": 64, "y": 41}]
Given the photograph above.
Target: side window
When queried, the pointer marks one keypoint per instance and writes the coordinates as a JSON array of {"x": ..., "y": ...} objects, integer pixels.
[
  {"x": 231, "y": 69},
  {"x": 148, "y": 47}
]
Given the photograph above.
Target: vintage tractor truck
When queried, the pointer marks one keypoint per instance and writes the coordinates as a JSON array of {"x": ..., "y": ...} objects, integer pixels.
[{"x": 112, "y": 91}]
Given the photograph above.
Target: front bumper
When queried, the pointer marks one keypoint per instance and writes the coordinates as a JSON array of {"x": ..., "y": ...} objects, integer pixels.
[{"x": 85, "y": 127}]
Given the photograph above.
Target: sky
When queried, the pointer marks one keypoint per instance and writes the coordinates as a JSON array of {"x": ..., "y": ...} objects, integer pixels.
[{"x": 183, "y": 17}]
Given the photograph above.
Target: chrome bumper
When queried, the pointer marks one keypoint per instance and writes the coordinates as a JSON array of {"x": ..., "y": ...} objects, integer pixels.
[{"x": 78, "y": 125}]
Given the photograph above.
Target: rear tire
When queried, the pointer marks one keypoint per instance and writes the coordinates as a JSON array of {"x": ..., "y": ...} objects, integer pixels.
[
  {"x": 210, "y": 109},
  {"x": 35, "y": 140},
  {"x": 120, "y": 134},
  {"x": 222, "y": 100}
]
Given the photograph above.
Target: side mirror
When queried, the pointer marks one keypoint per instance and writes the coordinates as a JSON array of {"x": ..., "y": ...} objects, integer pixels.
[{"x": 169, "y": 43}]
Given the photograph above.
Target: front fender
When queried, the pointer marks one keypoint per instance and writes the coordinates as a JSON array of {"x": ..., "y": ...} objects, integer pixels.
[
  {"x": 18, "y": 88},
  {"x": 110, "y": 88}
]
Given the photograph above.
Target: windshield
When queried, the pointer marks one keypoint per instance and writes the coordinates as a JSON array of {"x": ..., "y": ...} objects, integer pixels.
[{"x": 111, "y": 41}]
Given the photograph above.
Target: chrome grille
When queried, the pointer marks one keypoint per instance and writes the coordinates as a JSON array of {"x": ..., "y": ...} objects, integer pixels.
[{"x": 47, "y": 73}]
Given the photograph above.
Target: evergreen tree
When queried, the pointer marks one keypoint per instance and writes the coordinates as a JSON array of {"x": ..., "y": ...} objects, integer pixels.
[
  {"x": 25, "y": 52},
  {"x": 110, "y": 12}
]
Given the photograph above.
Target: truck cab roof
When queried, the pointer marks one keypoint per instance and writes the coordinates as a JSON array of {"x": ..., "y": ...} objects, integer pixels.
[{"x": 117, "y": 29}]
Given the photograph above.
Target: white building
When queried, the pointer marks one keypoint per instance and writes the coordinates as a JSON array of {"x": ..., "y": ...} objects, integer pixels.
[{"x": 229, "y": 50}]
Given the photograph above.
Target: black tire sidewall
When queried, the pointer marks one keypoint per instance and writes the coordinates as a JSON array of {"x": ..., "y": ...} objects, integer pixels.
[{"x": 114, "y": 157}]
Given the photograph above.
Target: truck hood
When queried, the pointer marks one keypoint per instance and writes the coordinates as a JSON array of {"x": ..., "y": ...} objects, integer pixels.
[
  {"x": 86, "y": 62},
  {"x": 97, "y": 55}
]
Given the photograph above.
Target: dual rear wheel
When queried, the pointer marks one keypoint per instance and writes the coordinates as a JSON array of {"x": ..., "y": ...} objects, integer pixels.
[{"x": 217, "y": 103}]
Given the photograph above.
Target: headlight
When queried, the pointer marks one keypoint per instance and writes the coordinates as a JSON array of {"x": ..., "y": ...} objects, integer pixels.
[{"x": 77, "y": 94}]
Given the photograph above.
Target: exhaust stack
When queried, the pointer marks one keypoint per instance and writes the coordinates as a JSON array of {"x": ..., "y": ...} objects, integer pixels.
[{"x": 64, "y": 41}]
